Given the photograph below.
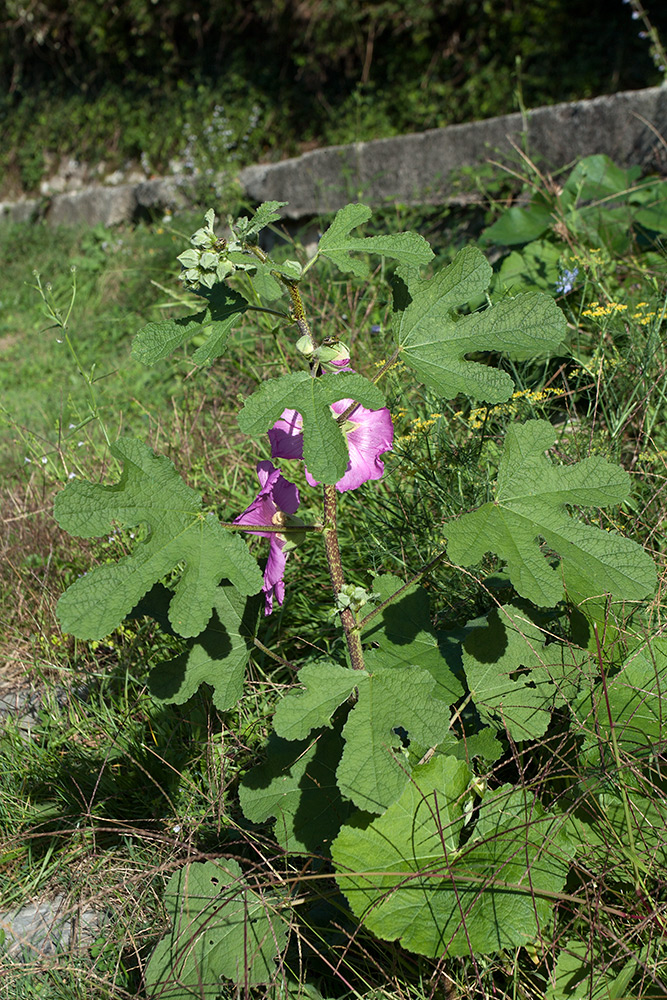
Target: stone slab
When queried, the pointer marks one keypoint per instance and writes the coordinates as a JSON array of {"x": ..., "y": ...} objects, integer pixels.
[
  {"x": 47, "y": 928},
  {"x": 93, "y": 206},
  {"x": 630, "y": 127},
  {"x": 26, "y": 210}
]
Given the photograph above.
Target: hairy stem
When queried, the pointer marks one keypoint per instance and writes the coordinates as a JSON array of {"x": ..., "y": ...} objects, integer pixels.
[
  {"x": 347, "y": 616},
  {"x": 271, "y": 529},
  {"x": 298, "y": 312}
]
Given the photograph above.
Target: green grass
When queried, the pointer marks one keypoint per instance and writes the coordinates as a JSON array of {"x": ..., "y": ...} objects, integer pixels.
[{"x": 115, "y": 790}]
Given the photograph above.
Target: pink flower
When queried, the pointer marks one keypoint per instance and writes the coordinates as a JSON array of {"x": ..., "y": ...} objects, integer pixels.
[
  {"x": 369, "y": 434},
  {"x": 275, "y": 503}
]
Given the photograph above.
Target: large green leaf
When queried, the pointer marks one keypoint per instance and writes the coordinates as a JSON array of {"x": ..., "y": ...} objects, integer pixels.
[
  {"x": 598, "y": 824},
  {"x": 434, "y": 339},
  {"x": 217, "y": 656},
  {"x": 405, "y": 636},
  {"x": 515, "y": 678},
  {"x": 374, "y": 768},
  {"x": 530, "y": 503},
  {"x": 297, "y": 784},
  {"x": 151, "y": 493},
  {"x": 634, "y": 704},
  {"x": 156, "y": 341},
  {"x": 222, "y": 929},
  {"x": 534, "y": 267},
  {"x": 336, "y": 243},
  {"x": 580, "y": 975},
  {"x": 519, "y": 225},
  {"x": 324, "y": 445},
  {"x": 407, "y": 876}
]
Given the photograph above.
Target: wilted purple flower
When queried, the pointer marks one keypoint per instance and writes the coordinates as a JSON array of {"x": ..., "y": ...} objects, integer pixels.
[
  {"x": 275, "y": 504},
  {"x": 565, "y": 283},
  {"x": 369, "y": 434}
]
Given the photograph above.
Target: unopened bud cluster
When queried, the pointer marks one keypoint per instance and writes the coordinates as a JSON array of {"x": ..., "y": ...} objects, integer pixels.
[{"x": 211, "y": 258}]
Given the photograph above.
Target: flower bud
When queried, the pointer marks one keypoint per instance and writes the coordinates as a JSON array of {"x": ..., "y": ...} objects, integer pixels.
[
  {"x": 304, "y": 345},
  {"x": 333, "y": 357}
]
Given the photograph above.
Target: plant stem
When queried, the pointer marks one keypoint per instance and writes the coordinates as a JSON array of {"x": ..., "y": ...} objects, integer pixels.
[
  {"x": 387, "y": 365},
  {"x": 347, "y": 617},
  {"x": 298, "y": 312},
  {"x": 346, "y": 414},
  {"x": 271, "y": 529}
]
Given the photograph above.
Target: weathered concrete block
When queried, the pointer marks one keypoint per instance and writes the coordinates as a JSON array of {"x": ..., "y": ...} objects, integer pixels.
[
  {"x": 160, "y": 195},
  {"x": 94, "y": 205},
  {"x": 417, "y": 169},
  {"x": 26, "y": 210}
]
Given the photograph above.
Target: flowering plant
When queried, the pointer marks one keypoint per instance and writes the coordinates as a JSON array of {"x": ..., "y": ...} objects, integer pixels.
[{"x": 377, "y": 764}]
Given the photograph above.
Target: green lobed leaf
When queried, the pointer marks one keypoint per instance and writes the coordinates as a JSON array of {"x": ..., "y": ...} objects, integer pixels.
[
  {"x": 222, "y": 929},
  {"x": 530, "y": 503},
  {"x": 325, "y": 449},
  {"x": 405, "y": 636},
  {"x": 217, "y": 656},
  {"x": 407, "y": 876},
  {"x": 434, "y": 340},
  {"x": 265, "y": 214},
  {"x": 297, "y": 784},
  {"x": 337, "y": 245},
  {"x": 156, "y": 341},
  {"x": 515, "y": 679},
  {"x": 373, "y": 768},
  {"x": 150, "y": 492}
]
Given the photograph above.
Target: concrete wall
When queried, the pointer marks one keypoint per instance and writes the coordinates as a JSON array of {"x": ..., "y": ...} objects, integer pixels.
[{"x": 630, "y": 127}]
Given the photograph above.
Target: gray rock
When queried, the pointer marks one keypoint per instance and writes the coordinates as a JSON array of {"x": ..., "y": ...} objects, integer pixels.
[
  {"x": 47, "y": 928},
  {"x": 24, "y": 704},
  {"x": 417, "y": 169}
]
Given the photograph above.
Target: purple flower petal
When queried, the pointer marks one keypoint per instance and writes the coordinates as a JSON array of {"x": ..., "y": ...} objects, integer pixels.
[
  {"x": 276, "y": 496},
  {"x": 369, "y": 434},
  {"x": 274, "y": 585},
  {"x": 286, "y": 436}
]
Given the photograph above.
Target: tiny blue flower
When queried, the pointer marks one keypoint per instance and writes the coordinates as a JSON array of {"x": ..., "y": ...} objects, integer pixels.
[{"x": 565, "y": 283}]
